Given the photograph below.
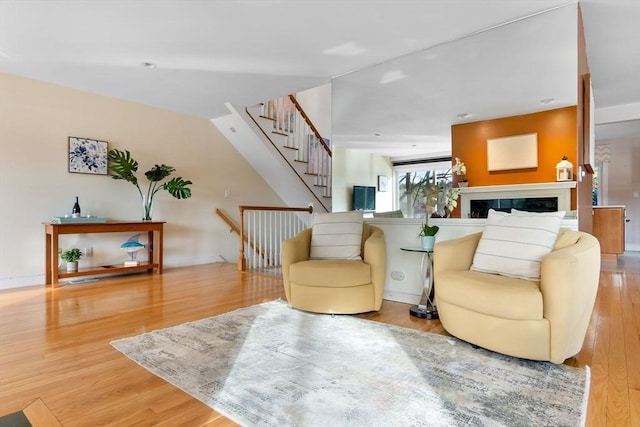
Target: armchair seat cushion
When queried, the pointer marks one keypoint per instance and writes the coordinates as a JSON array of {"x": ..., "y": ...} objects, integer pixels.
[
  {"x": 330, "y": 273},
  {"x": 492, "y": 294}
]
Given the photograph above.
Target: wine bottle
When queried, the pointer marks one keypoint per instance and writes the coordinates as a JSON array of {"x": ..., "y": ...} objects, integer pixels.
[{"x": 75, "y": 211}]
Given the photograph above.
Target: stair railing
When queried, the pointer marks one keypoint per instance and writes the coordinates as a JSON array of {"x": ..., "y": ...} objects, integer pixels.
[
  {"x": 291, "y": 121},
  {"x": 262, "y": 230}
]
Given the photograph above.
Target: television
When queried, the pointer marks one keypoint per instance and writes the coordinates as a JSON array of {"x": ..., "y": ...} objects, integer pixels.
[{"x": 364, "y": 198}]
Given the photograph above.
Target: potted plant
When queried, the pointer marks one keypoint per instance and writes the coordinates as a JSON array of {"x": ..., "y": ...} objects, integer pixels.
[
  {"x": 71, "y": 256},
  {"x": 123, "y": 166},
  {"x": 428, "y": 235},
  {"x": 461, "y": 170}
]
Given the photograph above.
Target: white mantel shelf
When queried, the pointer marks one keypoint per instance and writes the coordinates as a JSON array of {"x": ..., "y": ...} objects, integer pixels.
[
  {"x": 518, "y": 187},
  {"x": 560, "y": 189}
]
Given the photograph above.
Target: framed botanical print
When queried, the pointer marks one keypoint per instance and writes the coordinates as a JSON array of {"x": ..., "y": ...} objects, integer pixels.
[{"x": 88, "y": 156}]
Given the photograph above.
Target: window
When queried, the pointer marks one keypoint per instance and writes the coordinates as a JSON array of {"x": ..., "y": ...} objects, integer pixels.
[{"x": 421, "y": 188}]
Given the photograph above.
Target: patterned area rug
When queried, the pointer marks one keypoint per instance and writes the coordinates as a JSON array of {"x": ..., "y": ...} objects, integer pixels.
[{"x": 270, "y": 365}]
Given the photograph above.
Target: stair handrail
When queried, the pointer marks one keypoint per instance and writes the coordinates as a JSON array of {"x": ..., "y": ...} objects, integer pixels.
[
  {"x": 266, "y": 135},
  {"x": 310, "y": 123},
  {"x": 242, "y": 262},
  {"x": 238, "y": 230}
]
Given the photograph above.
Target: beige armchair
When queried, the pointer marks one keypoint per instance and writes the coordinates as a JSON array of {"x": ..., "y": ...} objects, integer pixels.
[
  {"x": 335, "y": 286},
  {"x": 545, "y": 320}
]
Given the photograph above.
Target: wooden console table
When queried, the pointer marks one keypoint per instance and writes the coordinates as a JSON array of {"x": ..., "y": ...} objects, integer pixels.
[{"x": 52, "y": 231}]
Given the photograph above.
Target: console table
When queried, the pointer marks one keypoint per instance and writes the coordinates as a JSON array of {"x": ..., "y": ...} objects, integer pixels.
[{"x": 52, "y": 231}]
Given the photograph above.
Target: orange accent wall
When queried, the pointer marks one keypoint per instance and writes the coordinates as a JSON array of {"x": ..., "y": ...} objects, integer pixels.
[{"x": 557, "y": 137}]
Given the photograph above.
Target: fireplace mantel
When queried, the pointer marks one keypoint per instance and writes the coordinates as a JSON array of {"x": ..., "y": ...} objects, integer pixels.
[{"x": 561, "y": 190}]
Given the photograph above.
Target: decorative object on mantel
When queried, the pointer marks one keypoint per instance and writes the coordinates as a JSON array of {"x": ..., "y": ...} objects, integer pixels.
[
  {"x": 87, "y": 156},
  {"x": 132, "y": 246},
  {"x": 123, "y": 166},
  {"x": 71, "y": 256},
  {"x": 461, "y": 170},
  {"x": 564, "y": 170},
  {"x": 428, "y": 234}
]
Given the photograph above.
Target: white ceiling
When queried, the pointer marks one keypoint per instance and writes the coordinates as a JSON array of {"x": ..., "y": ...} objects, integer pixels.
[{"x": 245, "y": 51}]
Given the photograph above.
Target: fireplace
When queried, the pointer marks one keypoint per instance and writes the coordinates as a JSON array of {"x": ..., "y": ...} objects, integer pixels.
[
  {"x": 542, "y": 197},
  {"x": 480, "y": 208}
]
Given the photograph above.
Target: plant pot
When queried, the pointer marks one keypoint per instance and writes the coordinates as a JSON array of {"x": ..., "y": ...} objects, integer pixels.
[
  {"x": 72, "y": 266},
  {"x": 428, "y": 242},
  {"x": 463, "y": 183}
]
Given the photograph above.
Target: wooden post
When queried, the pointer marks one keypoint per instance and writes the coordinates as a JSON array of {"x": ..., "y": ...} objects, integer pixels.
[{"x": 242, "y": 263}]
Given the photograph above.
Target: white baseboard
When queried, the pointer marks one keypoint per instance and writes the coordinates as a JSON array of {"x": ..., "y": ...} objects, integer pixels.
[
  {"x": 21, "y": 282},
  {"x": 404, "y": 297},
  {"x": 38, "y": 279},
  {"x": 185, "y": 262}
]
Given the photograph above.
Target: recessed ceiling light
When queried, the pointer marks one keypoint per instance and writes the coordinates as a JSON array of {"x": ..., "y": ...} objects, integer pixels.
[
  {"x": 463, "y": 115},
  {"x": 149, "y": 65},
  {"x": 547, "y": 101}
]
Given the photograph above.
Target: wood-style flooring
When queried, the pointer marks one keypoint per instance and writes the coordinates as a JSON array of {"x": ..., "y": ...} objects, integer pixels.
[{"x": 54, "y": 343}]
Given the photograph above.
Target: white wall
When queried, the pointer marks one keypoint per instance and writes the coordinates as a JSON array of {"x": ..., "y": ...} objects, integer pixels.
[
  {"x": 36, "y": 118},
  {"x": 623, "y": 184},
  {"x": 355, "y": 167}
]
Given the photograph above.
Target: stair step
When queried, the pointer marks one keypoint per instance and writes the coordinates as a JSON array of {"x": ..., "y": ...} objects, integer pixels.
[{"x": 281, "y": 138}]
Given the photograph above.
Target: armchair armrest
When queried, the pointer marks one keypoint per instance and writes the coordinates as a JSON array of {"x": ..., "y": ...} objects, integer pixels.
[
  {"x": 375, "y": 254},
  {"x": 295, "y": 249},
  {"x": 455, "y": 254},
  {"x": 569, "y": 279}
]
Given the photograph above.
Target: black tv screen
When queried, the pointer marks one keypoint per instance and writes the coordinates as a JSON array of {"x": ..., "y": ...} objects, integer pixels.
[{"x": 364, "y": 198}]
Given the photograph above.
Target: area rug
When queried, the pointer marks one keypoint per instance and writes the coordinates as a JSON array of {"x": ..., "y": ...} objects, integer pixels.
[{"x": 271, "y": 365}]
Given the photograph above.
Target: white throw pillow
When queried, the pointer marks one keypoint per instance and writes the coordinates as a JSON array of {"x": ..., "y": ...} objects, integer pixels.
[
  {"x": 514, "y": 244},
  {"x": 336, "y": 236}
]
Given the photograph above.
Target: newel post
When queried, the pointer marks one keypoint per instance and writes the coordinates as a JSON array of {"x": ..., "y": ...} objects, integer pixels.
[{"x": 242, "y": 262}]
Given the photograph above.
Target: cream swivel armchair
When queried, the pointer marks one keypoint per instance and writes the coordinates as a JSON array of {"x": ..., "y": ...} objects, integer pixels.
[
  {"x": 341, "y": 286},
  {"x": 540, "y": 320}
]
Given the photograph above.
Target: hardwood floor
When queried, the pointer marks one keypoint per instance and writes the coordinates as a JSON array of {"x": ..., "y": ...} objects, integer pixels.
[{"x": 54, "y": 344}]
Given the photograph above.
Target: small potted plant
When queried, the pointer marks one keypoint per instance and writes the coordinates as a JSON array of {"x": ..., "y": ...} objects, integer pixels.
[
  {"x": 71, "y": 256},
  {"x": 428, "y": 235}
]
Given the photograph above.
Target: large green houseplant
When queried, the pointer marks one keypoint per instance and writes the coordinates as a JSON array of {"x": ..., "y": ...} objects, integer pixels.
[{"x": 123, "y": 166}]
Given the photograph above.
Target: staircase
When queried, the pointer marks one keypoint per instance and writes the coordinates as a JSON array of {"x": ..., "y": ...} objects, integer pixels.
[{"x": 283, "y": 145}]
